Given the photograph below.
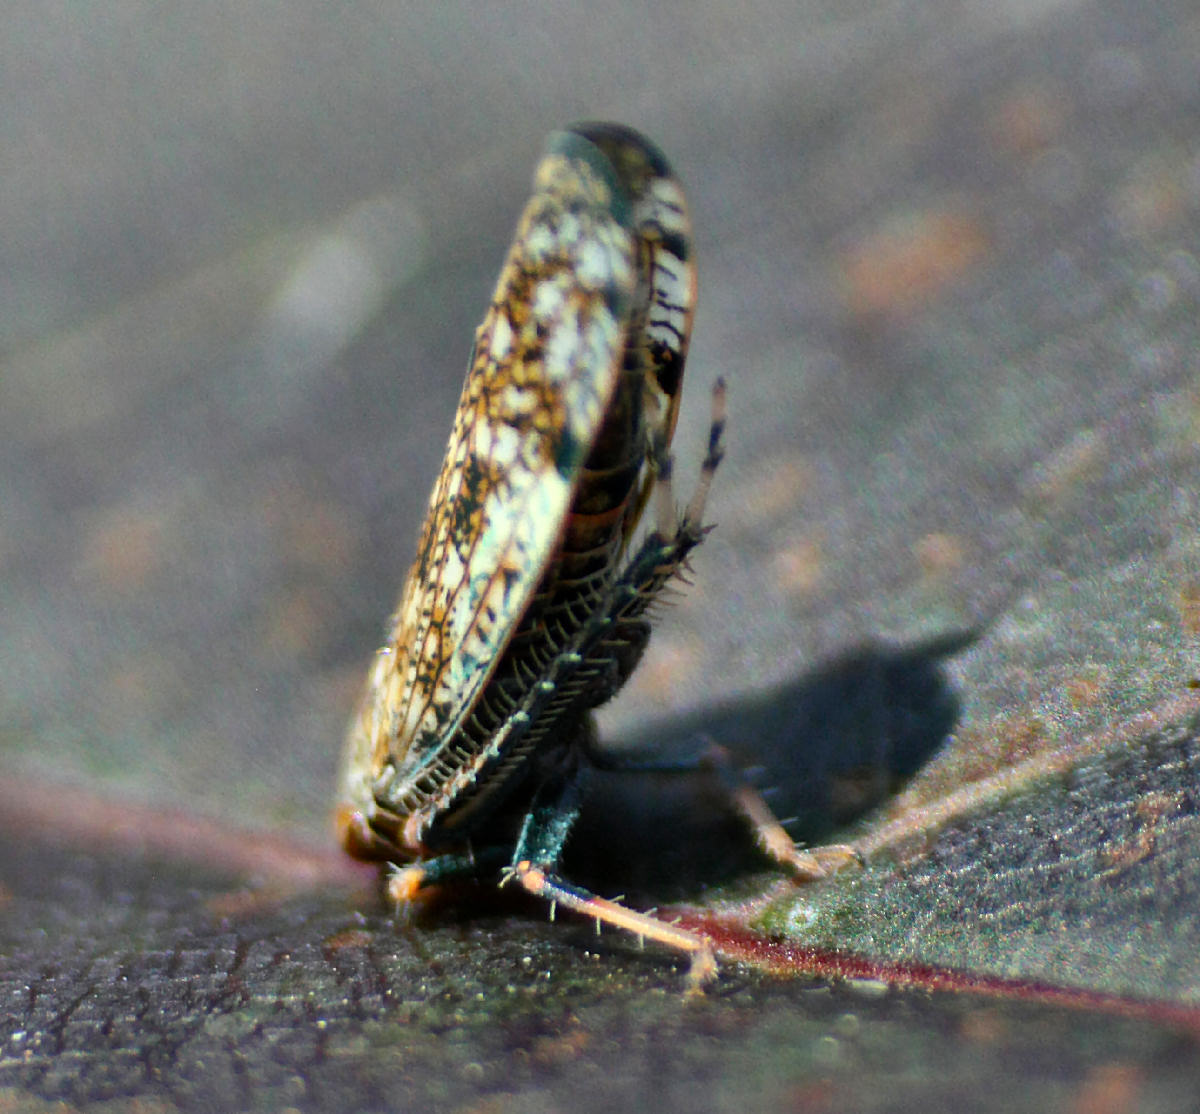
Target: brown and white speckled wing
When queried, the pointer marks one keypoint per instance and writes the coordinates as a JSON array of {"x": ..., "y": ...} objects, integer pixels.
[
  {"x": 545, "y": 364},
  {"x": 599, "y": 273}
]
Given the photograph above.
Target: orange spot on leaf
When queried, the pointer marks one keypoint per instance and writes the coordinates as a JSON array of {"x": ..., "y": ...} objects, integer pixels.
[{"x": 910, "y": 259}]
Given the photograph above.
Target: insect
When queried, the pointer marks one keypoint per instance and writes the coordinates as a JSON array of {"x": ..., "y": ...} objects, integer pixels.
[{"x": 526, "y": 605}]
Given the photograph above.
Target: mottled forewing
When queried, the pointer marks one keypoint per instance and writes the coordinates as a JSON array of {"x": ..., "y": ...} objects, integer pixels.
[{"x": 546, "y": 361}]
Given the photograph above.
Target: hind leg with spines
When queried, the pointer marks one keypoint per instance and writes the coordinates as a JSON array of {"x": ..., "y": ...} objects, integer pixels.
[
  {"x": 535, "y": 867},
  {"x": 687, "y": 533}
]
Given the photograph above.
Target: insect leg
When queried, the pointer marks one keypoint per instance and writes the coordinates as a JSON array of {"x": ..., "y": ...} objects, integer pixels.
[
  {"x": 535, "y": 866},
  {"x": 772, "y": 837},
  {"x": 692, "y": 526},
  {"x": 769, "y": 833},
  {"x": 404, "y": 883},
  {"x": 663, "y": 553}
]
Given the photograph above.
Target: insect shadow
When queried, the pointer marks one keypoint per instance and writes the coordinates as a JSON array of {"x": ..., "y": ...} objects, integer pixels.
[{"x": 824, "y": 749}]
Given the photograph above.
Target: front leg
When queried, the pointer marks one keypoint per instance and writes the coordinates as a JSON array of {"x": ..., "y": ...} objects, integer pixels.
[{"x": 405, "y": 883}]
